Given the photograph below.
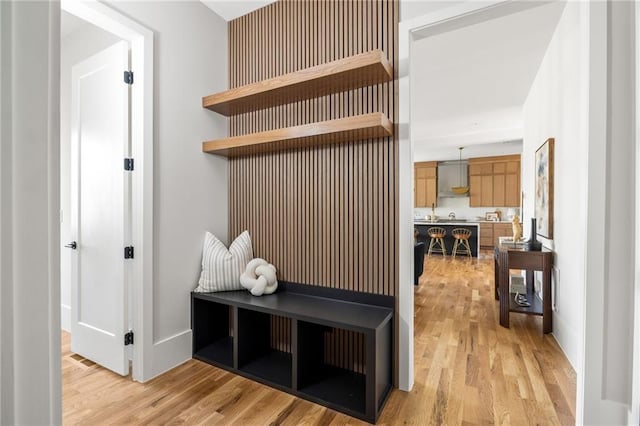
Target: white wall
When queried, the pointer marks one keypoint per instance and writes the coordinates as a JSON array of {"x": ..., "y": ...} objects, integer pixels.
[
  {"x": 30, "y": 371},
  {"x": 190, "y": 188},
  {"x": 605, "y": 395},
  {"x": 74, "y": 48},
  {"x": 585, "y": 102},
  {"x": 620, "y": 167},
  {"x": 554, "y": 109}
]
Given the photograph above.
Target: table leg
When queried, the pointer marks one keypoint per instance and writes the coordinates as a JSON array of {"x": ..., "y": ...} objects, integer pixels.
[
  {"x": 496, "y": 275},
  {"x": 547, "y": 321},
  {"x": 503, "y": 288},
  {"x": 529, "y": 279}
]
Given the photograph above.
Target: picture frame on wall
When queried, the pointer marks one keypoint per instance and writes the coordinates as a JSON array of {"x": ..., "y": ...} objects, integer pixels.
[{"x": 544, "y": 189}]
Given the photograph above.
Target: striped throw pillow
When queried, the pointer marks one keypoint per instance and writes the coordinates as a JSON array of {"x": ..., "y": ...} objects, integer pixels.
[{"x": 221, "y": 268}]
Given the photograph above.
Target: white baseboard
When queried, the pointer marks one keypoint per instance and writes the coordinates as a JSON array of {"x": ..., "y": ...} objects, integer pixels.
[
  {"x": 65, "y": 318},
  {"x": 171, "y": 352},
  {"x": 567, "y": 340}
]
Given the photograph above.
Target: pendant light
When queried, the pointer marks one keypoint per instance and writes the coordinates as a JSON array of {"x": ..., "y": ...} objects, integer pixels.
[{"x": 460, "y": 190}]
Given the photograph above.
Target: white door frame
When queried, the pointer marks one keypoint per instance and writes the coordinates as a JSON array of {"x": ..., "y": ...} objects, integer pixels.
[
  {"x": 447, "y": 19},
  {"x": 634, "y": 414},
  {"x": 141, "y": 43},
  {"x": 594, "y": 45}
]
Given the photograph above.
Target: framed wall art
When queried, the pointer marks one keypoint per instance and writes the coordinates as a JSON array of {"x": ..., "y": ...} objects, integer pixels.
[{"x": 544, "y": 189}]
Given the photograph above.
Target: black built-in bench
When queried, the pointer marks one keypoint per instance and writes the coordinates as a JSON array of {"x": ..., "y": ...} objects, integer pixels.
[{"x": 232, "y": 330}]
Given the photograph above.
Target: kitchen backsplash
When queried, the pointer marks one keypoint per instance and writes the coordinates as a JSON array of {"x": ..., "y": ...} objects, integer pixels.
[{"x": 459, "y": 206}]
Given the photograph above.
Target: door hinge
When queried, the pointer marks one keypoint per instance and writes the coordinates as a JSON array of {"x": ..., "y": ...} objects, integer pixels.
[
  {"x": 128, "y": 338},
  {"x": 128, "y": 77},
  {"x": 128, "y": 252},
  {"x": 128, "y": 164}
]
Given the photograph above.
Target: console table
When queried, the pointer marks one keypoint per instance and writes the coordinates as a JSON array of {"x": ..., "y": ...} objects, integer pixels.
[{"x": 506, "y": 257}]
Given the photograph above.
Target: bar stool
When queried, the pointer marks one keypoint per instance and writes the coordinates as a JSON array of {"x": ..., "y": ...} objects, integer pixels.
[
  {"x": 436, "y": 245},
  {"x": 461, "y": 241}
]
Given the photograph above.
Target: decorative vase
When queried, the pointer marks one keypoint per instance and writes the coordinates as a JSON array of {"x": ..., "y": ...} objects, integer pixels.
[{"x": 533, "y": 244}]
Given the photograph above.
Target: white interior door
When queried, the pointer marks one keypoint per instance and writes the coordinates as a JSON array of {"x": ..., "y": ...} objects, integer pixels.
[{"x": 100, "y": 216}]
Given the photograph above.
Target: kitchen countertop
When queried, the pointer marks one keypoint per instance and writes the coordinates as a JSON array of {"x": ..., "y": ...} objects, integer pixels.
[
  {"x": 428, "y": 222},
  {"x": 466, "y": 223}
]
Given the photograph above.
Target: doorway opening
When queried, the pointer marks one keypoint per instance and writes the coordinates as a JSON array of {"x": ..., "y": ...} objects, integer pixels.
[
  {"x": 433, "y": 134},
  {"x": 106, "y": 186},
  {"x": 468, "y": 89}
]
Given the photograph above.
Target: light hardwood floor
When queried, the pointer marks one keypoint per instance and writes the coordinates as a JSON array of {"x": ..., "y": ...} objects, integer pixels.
[{"x": 468, "y": 370}]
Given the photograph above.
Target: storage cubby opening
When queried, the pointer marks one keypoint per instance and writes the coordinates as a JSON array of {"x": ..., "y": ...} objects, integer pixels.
[
  {"x": 212, "y": 332},
  {"x": 331, "y": 365},
  {"x": 264, "y": 346}
]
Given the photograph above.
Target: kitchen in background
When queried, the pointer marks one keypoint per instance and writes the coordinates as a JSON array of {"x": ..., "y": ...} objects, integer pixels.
[
  {"x": 479, "y": 193},
  {"x": 479, "y": 108}
]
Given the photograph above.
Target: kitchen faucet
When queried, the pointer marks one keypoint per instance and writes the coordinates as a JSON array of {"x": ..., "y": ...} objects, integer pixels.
[{"x": 452, "y": 215}]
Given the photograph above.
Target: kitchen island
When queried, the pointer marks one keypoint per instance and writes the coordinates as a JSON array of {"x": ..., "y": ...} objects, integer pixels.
[{"x": 474, "y": 241}]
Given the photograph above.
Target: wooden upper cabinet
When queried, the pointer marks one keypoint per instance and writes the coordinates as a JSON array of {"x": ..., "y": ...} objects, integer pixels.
[
  {"x": 512, "y": 190},
  {"x": 513, "y": 166},
  {"x": 478, "y": 169},
  {"x": 425, "y": 183},
  {"x": 486, "y": 190},
  {"x": 512, "y": 184},
  {"x": 499, "y": 190},
  {"x": 494, "y": 181},
  {"x": 499, "y": 168},
  {"x": 425, "y": 172}
]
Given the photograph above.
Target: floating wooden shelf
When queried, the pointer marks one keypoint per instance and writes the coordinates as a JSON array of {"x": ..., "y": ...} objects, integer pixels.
[
  {"x": 344, "y": 74},
  {"x": 368, "y": 126}
]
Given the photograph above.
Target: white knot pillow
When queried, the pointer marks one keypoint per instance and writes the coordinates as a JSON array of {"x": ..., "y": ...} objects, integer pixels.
[{"x": 259, "y": 277}]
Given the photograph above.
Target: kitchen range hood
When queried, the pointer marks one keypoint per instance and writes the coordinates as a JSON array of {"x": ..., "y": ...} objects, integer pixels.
[{"x": 449, "y": 176}]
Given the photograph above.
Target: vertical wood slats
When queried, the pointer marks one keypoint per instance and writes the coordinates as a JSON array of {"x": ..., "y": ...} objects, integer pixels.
[
  {"x": 324, "y": 216},
  {"x": 280, "y": 338}
]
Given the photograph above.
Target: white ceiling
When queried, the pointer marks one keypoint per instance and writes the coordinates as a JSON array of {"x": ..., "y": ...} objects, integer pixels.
[
  {"x": 468, "y": 86},
  {"x": 230, "y": 10},
  {"x": 410, "y": 9}
]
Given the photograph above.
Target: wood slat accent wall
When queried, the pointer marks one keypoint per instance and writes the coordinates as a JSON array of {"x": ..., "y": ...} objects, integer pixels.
[
  {"x": 280, "y": 338},
  {"x": 323, "y": 216},
  {"x": 345, "y": 349}
]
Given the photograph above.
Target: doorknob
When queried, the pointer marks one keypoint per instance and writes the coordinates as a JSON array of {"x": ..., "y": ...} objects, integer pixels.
[{"x": 73, "y": 245}]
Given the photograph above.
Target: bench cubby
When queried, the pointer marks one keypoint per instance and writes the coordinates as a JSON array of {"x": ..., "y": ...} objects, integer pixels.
[
  {"x": 332, "y": 347},
  {"x": 256, "y": 355},
  {"x": 319, "y": 373},
  {"x": 212, "y": 332}
]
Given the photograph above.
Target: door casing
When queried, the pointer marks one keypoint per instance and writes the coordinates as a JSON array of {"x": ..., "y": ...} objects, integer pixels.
[{"x": 141, "y": 42}]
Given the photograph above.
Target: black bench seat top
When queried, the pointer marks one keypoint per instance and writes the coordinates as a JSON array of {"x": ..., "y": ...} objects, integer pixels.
[{"x": 330, "y": 312}]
